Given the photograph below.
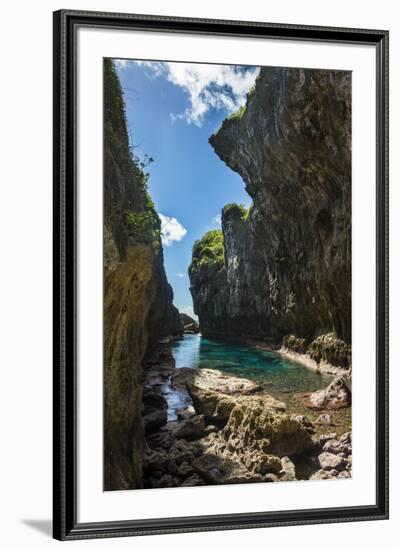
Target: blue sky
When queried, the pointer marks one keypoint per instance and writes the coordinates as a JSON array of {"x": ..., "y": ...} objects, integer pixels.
[{"x": 172, "y": 109}]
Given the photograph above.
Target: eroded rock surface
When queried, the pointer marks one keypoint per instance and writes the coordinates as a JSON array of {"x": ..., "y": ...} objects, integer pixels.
[
  {"x": 138, "y": 305},
  {"x": 190, "y": 326},
  {"x": 326, "y": 353},
  {"x": 335, "y": 460},
  {"x": 336, "y": 395},
  {"x": 215, "y": 394},
  {"x": 232, "y": 438},
  {"x": 283, "y": 267}
]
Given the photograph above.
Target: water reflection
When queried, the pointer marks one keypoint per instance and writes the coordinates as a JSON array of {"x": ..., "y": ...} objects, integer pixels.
[{"x": 187, "y": 351}]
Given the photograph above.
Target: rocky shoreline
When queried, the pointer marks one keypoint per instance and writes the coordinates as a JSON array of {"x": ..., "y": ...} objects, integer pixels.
[
  {"x": 326, "y": 354},
  {"x": 306, "y": 360},
  {"x": 231, "y": 430}
]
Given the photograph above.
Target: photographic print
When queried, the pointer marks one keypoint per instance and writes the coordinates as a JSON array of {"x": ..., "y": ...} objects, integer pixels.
[
  {"x": 227, "y": 274},
  {"x": 220, "y": 263}
]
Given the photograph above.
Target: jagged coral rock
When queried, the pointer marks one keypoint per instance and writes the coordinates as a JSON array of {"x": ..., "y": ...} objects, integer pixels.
[
  {"x": 215, "y": 394},
  {"x": 253, "y": 427},
  {"x": 253, "y": 440},
  {"x": 332, "y": 350}
]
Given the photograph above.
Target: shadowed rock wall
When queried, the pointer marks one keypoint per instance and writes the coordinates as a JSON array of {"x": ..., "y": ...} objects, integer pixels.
[
  {"x": 138, "y": 305},
  {"x": 286, "y": 267}
]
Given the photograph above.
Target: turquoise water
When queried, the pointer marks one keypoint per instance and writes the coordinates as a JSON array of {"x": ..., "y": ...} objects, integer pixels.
[
  {"x": 282, "y": 379},
  {"x": 266, "y": 367}
]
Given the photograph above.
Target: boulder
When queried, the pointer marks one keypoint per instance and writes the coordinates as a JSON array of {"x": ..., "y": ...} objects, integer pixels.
[
  {"x": 322, "y": 474},
  {"x": 295, "y": 344},
  {"x": 155, "y": 420},
  {"x": 193, "y": 481},
  {"x": 261, "y": 463},
  {"x": 157, "y": 373},
  {"x": 270, "y": 478},
  {"x": 337, "y": 395},
  {"x": 189, "y": 325},
  {"x": 254, "y": 427},
  {"x": 305, "y": 422},
  {"x": 346, "y": 439},
  {"x": 324, "y": 420},
  {"x": 156, "y": 461},
  {"x": 184, "y": 470},
  {"x": 253, "y": 439},
  {"x": 330, "y": 461},
  {"x": 186, "y": 412},
  {"x": 192, "y": 428},
  {"x": 216, "y": 470},
  {"x": 332, "y": 350},
  {"x": 210, "y": 468},
  {"x": 287, "y": 470},
  {"x": 215, "y": 394},
  {"x": 326, "y": 437},
  {"x": 160, "y": 440},
  {"x": 155, "y": 410},
  {"x": 331, "y": 474},
  {"x": 344, "y": 475},
  {"x": 342, "y": 445},
  {"x": 214, "y": 380},
  {"x": 176, "y": 461},
  {"x": 153, "y": 401}
]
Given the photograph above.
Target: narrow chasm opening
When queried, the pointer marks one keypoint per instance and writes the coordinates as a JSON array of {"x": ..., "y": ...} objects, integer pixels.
[{"x": 215, "y": 367}]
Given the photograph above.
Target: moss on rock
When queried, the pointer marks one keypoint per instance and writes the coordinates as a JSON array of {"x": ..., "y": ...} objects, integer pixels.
[
  {"x": 208, "y": 252},
  {"x": 331, "y": 349},
  {"x": 254, "y": 428}
]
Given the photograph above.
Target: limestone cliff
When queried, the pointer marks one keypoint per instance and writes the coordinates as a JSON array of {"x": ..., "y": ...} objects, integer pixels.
[
  {"x": 137, "y": 297},
  {"x": 284, "y": 266}
]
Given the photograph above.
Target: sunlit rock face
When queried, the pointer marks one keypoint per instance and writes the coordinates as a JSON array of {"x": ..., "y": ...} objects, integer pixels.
[
  {"x": 137, "y": 297},
  {"x": 287, "y": 261}
]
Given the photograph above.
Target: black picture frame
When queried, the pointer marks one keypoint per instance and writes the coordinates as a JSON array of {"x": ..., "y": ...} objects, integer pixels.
[{"x": 66, "y": 527}]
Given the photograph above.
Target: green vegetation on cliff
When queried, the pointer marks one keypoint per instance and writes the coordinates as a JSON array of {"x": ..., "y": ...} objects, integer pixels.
[
  {"x": 238, "y": 211},
  {"x": 208, "y": 251},
  {"x": 131, "y": 207},
  {"x": 115, "y": 131},
  {"x": 238, "y": 114},
  {"x": 144, "y": 227}
]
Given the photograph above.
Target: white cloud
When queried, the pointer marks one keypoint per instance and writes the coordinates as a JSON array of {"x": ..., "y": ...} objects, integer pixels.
[
  {"x": 171, "y": 230},
  {"x": 221, "y": 87},
  {"x": 181, "y": 275},
  {"x": 188, "y": 310},
  {"x": 217, "y": 220},
  {"x": 210, "y": 86}
]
